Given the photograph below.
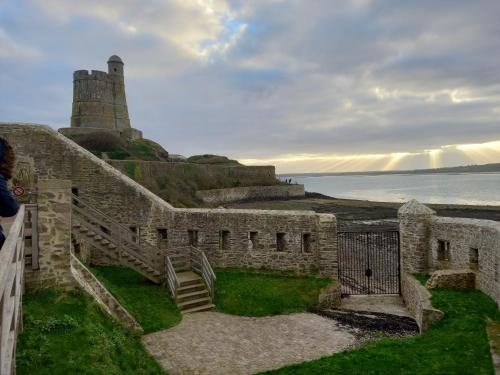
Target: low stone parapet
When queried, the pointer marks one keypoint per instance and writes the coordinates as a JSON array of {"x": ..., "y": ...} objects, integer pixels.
[
  {"x": 90, "y": 284},
  {"x": 329, "y": 296},
  {"x": 454, "y": 279},
  {"x": 418, "y": 301}
]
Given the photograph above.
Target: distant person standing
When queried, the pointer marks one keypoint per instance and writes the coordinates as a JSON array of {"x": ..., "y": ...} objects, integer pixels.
[{"x": 8, "y": 205}]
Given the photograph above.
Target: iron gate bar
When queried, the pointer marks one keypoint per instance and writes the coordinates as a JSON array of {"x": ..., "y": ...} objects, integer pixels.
[{"x": 369, "y": 262}]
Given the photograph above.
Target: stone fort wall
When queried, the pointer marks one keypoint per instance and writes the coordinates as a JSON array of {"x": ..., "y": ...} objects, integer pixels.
[
  {"x": 152, "y": 171},
  {"x": 430, "y": 243},
  {"x": 221, "y": 196},
  {"x": 307, "y": 241}
]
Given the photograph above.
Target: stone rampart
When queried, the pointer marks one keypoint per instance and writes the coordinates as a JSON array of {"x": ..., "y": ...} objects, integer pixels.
[
  {"x": 221, "y": 196},
  {"x": 298, "y": 240},
  {"x": 153, "y": 171}
]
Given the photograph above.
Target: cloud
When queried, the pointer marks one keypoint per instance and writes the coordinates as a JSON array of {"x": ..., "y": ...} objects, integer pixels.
[
  {"x": 266, "y": 78},
  {"x": 11, "y": 50}
]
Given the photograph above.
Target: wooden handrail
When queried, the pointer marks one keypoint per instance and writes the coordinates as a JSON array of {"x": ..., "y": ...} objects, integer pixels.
[
  {"x": 207, "y": 273},
  {"x": 11, "y": 282},
  {"x": 172, "y": 280},
  {"x": 114, "y": 232}
]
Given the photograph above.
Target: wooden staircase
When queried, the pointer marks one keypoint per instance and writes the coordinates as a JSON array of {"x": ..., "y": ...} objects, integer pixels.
[
  {"x": 192, "y": 292},
  {"x": 114, "y": 240},
  {"x": 189, "y": 276}
]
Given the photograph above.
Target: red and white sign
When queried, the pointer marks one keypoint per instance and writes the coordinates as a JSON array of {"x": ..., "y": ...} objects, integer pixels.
[{"x": 18, "y": 191}]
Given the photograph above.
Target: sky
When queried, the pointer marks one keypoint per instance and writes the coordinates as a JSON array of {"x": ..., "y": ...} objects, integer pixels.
[{"x": 308, "y": 86}]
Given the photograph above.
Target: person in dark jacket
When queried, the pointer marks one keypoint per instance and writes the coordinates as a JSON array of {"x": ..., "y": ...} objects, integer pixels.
[{"x": 8, "y": 205}]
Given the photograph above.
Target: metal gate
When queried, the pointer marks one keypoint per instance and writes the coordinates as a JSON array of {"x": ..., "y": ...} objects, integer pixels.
[{"x": 369, "y": 262}]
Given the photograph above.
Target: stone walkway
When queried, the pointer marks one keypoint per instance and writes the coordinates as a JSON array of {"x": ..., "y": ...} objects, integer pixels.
[{"x": 215, "y": 343}]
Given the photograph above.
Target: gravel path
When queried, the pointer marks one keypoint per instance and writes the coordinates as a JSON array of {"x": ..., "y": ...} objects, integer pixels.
[{"x": 215, "y": 343}]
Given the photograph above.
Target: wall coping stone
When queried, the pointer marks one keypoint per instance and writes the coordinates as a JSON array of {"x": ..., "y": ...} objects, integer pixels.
[{"x": 414, "y": 207}]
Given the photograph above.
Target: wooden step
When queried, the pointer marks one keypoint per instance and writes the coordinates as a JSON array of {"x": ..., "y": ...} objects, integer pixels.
[
  {"x": 191, "y": 295},
  {"x": 207, "y": 307},
  {"x": 194, "y": 303},
  {"x": 191, "y": 288},
  {"x": 188, "y": 278}
]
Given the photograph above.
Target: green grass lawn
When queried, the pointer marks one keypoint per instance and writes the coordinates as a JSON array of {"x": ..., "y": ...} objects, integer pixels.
[
  {"x": 455, "y": 345},
  {"x": 67, "y": 333},
  {"x": 150, "y": 304},
  {"x": 260, "y": 293}
]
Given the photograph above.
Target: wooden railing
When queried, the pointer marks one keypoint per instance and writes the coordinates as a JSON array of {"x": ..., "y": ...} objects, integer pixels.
[
  {"x": 200, "y": 263},
  {"x": 116, "y": 233},
  {"x": 11, "y": 290},
  {"x": 172, "y": 280},
  {"x": 31, "y": 234}
]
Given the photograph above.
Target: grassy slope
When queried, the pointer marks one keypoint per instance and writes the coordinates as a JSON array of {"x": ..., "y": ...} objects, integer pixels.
[
  {"x": 149, "y": 303},
  {"x": 258, "y": 294},
  {"x": 456, "y": 345},
  {"x": 66, "y": 333}
]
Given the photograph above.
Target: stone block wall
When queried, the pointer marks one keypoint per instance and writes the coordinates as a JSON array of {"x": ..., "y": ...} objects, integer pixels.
[
  {"x": 468, "y": 240},
  {"x": 129, "y": 203},
  {"x": 54, "y": 237},
  {"x": 430, "y": 243},
  {"x": 221, "y": 196},
  {"x": 418, "y": 301}
]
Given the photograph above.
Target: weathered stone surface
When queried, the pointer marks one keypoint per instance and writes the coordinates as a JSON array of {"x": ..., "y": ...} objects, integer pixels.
[
  {"x": 54, "y": 231},
  {"x": 329, "y": 297},
  {"x": 221, "y": 196},
  {"x": 493, "y": 332},
  {"x": 90, "y": 284},
  {"x": 214, "y": 343},
  {"x": 415, "y": 231},
  {"x": 418, "y": 302},
  {"x": 129, "y": 203},
  {"x": 455, "y": 279}
]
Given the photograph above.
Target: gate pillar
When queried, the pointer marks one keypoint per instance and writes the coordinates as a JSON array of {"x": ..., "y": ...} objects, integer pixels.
[
  {"x": 327, "y": 245},
  {"x": 415, "y": 233}
]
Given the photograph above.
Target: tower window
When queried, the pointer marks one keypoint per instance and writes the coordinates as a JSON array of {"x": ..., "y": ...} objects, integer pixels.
[
  {"x": 114, "y": 69},
  {"x": 193, "y": 237}
]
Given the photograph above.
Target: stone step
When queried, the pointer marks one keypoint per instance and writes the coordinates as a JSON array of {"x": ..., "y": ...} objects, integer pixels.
[
  {"x": 194, "y": 303},
  {"x": 207, "y": 307},
  {"x": 191, "y": 295}
]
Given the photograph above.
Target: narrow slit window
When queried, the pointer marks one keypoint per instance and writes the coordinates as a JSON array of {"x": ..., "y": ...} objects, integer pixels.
[
  {"x": 254, "y": 241},
  {"x": 306, "y": 243},
  {"x": 193, "y": 237},
  {"x": 224, "y": 240},
  {"x": 443, "y": 250},
  {"x": 280, "y": 241},
  {"x": 162, "y": 234},
  {"x": 474, "y": 258},
  {"x": 135, "y": 233}
]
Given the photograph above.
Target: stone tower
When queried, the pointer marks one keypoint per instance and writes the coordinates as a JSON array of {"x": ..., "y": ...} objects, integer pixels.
[{"x": 99, "y": 98}]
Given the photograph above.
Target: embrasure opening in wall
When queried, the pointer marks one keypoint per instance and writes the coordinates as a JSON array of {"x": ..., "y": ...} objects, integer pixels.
[
  {"x": 474, "y": 258},
  {"x": 162, "y": 234},
  {"x": 306, "y": 242},
  {"x": 253, "y": 237},
  {"x": 443, "y": 250},
  {"x": 193, "y": 237},
  {"x": 280, "y": 241},
  {"x": 224, "y": 240}
]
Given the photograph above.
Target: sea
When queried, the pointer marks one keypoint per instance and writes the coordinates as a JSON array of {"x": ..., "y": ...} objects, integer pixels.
[{"x": 458, "y": 188}]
